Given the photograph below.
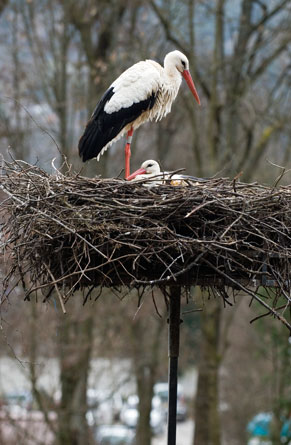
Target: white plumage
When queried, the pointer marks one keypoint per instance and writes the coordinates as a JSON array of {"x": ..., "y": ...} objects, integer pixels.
[
  {"x": 144, "y": 92},
  {"x": 139, "y": 82},
  {"x": 134, "y": 85}
]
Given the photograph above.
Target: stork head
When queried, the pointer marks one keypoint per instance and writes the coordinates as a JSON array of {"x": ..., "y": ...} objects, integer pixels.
[
  {"x": 150, "y": 168},
  {"x": 178, "y": 61}
]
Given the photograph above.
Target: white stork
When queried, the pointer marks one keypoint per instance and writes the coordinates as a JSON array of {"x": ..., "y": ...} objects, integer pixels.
[
  {"x": 151, "y": 169},
  {"x": 145, "y": 91}
]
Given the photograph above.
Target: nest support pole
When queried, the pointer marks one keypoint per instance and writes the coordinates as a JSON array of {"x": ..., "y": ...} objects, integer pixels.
[{"x": 173, "y": 353}]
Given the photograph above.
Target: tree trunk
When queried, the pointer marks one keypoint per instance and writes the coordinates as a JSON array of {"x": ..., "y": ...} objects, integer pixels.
[
  {"x": 75, "y": 350},
  {"x": 145, "y": 382},
  {"x": 207, "y": 423},
  {"x": 3, "y": 4},
  {"x": 146, "y": 363}
]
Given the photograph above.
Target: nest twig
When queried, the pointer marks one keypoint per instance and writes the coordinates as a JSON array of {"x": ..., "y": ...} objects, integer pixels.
[{"x": 71, "y": 232}]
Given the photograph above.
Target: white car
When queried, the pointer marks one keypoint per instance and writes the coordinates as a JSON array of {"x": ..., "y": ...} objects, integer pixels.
[
  {"x": 114, "y": 435},
  {"x": 129, "y": 414},
  {"x": 161, "y": 390}
]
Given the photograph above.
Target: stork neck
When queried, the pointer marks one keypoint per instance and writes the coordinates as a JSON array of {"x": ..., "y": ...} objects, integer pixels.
[
  {"x": 156, "y": 172},
  {"x": 172, "y": 72}
]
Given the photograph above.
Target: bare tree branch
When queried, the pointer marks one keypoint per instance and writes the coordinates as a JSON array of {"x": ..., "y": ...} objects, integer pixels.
[
  {"x": 3, "y": 4},
  {"x": 180, "y": 45}
]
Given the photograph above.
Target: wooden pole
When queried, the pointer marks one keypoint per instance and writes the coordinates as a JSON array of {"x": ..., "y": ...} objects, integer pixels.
[{"x": 173, "y": 353}]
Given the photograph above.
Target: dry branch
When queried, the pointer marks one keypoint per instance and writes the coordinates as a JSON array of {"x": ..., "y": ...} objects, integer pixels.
[{"x": 70, "y": 232}]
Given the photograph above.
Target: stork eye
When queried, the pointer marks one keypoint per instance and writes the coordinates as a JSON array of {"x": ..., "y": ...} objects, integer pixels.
[
  {"x": 150, "y": 165},
  {"x": 183, "y": 63}
]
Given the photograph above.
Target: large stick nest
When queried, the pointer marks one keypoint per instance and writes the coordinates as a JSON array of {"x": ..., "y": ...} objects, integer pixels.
[{"x": 68, "y": 232}]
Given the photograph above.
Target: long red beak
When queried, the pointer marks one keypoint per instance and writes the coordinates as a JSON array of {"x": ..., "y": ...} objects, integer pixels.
[
  {"x": 140, "y": 171},
  {"x": 187, "y": 76}
]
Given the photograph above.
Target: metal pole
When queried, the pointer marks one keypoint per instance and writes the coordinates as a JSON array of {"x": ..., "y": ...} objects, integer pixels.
[{"x": 173, "y": 353}]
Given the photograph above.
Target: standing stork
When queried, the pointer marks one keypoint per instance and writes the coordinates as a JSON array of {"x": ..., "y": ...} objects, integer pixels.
[{"x": 144, "y": 92}]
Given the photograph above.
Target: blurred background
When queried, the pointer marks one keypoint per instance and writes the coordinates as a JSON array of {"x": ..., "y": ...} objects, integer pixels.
[{"x": 98, "y": 375}]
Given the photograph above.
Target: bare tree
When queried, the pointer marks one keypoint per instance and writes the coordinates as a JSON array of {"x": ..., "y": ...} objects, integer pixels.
[
  {"x": 239, "y": 125},
  {"x": 146, "y": 359},
  {"x": 138, "y": 334},
  {"x": 75, "y": 348},
  {"x": 49, "y": 46},
  {"x": 207, "y": 421}
]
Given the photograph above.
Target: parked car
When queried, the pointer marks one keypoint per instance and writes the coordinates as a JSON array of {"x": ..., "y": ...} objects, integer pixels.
[
  {"x": 161, "y": 390},
  {"x": 129, "y": 414},
  {"x": 114, "y": 435},
  {"x": 103, "y": 407},
  {"x": 21, "y": 399},
  {"x": 259, "y": 429}
]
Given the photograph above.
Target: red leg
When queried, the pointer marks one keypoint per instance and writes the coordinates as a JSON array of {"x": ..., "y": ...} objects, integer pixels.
[{"x": 127, "y": 152}]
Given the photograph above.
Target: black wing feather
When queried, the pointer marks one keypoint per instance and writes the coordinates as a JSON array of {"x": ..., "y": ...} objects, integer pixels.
[{"x": 103, "y": 127}]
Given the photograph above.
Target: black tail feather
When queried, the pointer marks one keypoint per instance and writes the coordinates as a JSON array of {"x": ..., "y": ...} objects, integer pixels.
[
  {"x": 88, "y": 143},
  {"x": 95, "y": 136},
  {"x": 104, "y": 127}
]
